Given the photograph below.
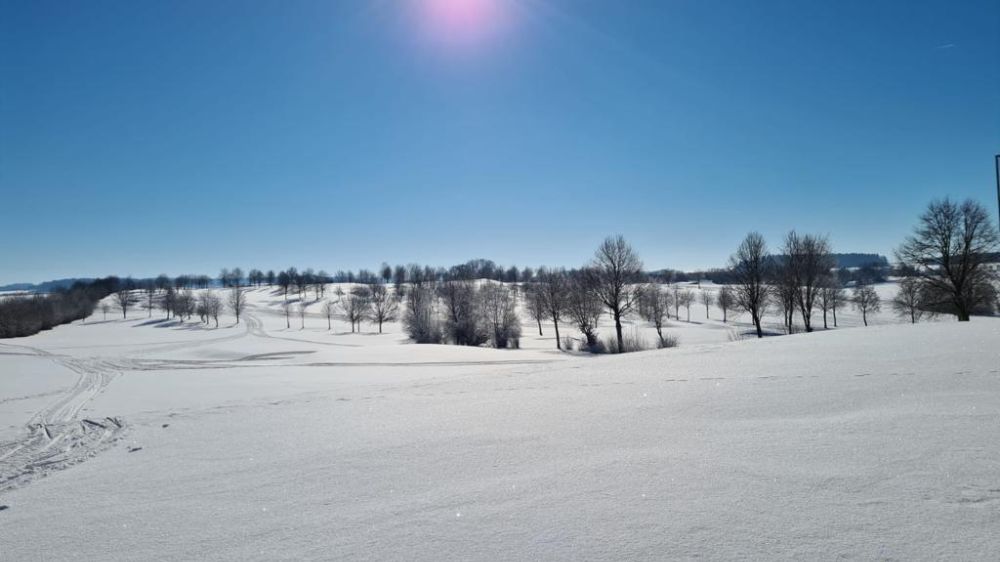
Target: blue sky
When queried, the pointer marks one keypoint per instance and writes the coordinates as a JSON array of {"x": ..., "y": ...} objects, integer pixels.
[{"x": 146, "y": 137}]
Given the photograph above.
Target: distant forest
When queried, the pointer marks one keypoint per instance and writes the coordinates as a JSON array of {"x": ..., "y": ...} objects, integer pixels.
[
  {"x": 852, "y": 260},
  {"x": 860, "y": 260}
]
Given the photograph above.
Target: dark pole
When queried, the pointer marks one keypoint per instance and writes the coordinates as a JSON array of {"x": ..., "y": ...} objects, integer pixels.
[{"x": 998, "y": 184}]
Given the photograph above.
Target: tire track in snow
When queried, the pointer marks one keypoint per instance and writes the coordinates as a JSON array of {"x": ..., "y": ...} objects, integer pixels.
[{"x": 57, "y": 437}]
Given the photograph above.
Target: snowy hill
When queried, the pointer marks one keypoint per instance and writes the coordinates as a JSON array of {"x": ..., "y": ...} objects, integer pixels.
[{"x": 255, "y": 441}]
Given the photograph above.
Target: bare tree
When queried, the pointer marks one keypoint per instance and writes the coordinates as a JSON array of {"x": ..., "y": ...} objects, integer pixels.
[
  {"x": 329, "y": 309},
  {"x": 149, "y": 288},
  {"x": 948, "y": 252},
  {"x": 419, "y": 319},
  {"x": 785, "y": 292},
  {"x": 302, "y": 315},
  {"x": 534, "y": 301},
  {"x": 105, "y": 308},
  {"x": 286, "y": 306},
  {"x": 584, "y": 307},
  {"x": 653, "y": 306},
  {"x": 616, "y": 274},
  {"x": 383, "y": 304},
  {"x": 184, "y": 305},
  {"x": 808, "y": 262},
  {"x": 837, "y": 297},
  {"x": 830, "y": 296},
  {"x": 463, "y": 319},
  {"x": 124, "y": 297},
  {"x": 399, "y": 278},
  {"x": 354, "y": 306},
  {"x": 499, "y": 305},
  {"x": 237, "y": 300},
  {"x": 213, "y": 306},
  {"x": 726, "y": 301},
  {"x": 908, "y": 301},
  {"x": 686, "y": 298},
  {"x": 201, "y": 311},
  {"x": 676, "y": 300},
  {"x": 168, "y": 301},
  {"x": 554, "y": 289},
  {"x": 322, "y": 278},
  {"x": 866, "y": 300},
  {"x": 749, "y": 267},
  {"x": 706, "y": 298}
]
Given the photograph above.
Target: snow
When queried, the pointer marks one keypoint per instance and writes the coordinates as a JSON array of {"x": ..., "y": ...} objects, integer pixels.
[{"x": 253, "y": 441}]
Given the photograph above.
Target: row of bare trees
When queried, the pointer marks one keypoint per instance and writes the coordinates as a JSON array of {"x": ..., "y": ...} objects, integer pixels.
[
  {"x": 945, "y": 259},
  {"x": 183, "y": 304},
  {"x": 462, "y": 312}
]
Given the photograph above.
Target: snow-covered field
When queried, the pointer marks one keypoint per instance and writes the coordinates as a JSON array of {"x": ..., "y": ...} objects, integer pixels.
[{"x": 255, "y": 441}]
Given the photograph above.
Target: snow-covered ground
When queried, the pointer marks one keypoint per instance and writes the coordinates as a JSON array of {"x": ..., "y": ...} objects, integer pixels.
[{"x": 255, "y": 441}]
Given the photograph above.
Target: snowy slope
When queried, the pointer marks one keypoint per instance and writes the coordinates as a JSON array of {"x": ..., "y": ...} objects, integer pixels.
[{"x": 257, "y": 442}]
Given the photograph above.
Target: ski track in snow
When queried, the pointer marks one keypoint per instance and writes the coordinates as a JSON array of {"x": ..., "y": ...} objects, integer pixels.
[{"x": 57, "y": 437}]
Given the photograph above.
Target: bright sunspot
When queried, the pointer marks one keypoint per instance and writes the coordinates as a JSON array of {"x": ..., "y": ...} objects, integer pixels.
[{"x": 461, "y": 23}]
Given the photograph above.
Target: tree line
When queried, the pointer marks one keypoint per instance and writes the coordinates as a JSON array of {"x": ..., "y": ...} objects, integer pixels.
[
  {"x": 943, "y": 265},
  {"x": 27, "y": 315}
]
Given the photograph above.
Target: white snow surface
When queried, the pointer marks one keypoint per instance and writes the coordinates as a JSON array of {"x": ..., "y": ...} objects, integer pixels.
[{"x": 254, "y": 441}]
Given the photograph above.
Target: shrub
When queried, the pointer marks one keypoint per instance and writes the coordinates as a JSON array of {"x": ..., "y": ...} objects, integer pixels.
[
  {"x": 632, "y": 340},
  {"x": 667, "y": 341},
  {"x": 568, "y": 344}
]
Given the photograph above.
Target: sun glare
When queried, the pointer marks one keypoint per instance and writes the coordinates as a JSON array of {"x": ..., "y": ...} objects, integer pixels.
[{"x": 461, "y": 23}]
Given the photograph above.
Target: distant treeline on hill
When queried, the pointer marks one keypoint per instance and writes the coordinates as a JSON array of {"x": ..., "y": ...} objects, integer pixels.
[
  {"x": 27, "y": 315},
  {"x": 860, "y": 260},
  {"x": 478, "y": 268},
  {"x": 46, "y": 287}
]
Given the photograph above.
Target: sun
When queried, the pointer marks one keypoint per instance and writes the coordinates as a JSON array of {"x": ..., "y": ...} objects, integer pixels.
[{"x": 462, "y": 23}]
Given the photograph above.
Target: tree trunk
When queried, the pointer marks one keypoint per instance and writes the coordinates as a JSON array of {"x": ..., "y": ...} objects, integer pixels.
[
  {"x": 963, "y": 313},
  {"x": 834, "y": 317},
  {"x": 558, "y": 341},
  {"x": 618, "y": 331},
  {"x": 824, "y": 320},
  {"x": 540, "y": 327},
  {"x": 756, "y": 323}
]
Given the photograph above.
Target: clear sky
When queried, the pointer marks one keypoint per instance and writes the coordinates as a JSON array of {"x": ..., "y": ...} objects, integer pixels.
[{"x": 146, "y": 137}]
